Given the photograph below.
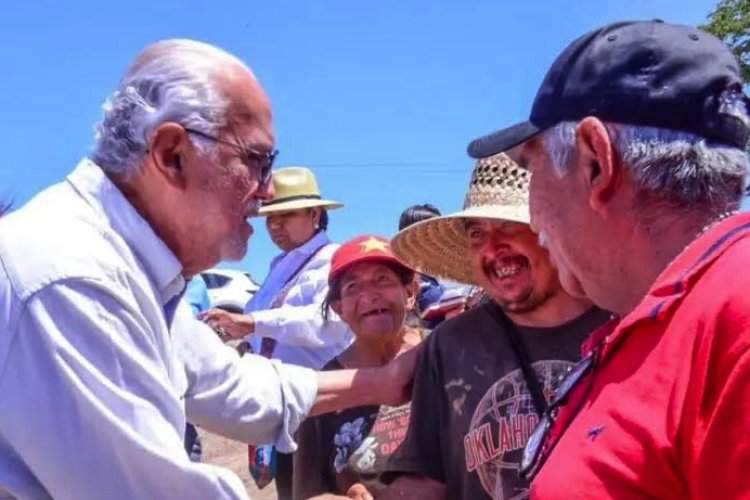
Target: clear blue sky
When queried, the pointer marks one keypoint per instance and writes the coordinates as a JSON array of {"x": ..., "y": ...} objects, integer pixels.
[{"x": 379, "y": 97}]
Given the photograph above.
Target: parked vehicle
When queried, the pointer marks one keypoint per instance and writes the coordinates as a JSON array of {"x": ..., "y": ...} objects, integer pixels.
[{"x": 229, "y": 289}]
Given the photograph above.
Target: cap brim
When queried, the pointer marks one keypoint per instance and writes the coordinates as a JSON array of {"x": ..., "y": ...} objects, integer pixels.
[
  {"x": 385, "y": 259},
  {"x": 502, "y": 140}
]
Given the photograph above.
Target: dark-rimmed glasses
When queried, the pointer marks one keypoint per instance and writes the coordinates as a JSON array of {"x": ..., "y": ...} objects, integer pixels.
[
  {"x": 262, "y": 161},
  {"x": 537, "y": 450}
]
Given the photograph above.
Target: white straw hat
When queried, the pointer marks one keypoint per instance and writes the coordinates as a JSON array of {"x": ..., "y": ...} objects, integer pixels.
[
  {"x": 296, "y": 188},
  {"x": 499, "y": 189}
]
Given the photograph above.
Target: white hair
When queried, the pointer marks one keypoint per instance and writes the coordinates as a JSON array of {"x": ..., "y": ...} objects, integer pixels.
[
  {"x": 173, "y": 81},
  {"x": 682, "y": 169}
]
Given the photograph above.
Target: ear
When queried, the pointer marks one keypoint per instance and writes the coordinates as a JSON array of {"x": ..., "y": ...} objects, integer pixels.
[
  {"x": 168, "y": 146},
  {"x": 315, "y": 214},
  {"x": 412, "y": 292},
  {"x": 598, "y": 163}
]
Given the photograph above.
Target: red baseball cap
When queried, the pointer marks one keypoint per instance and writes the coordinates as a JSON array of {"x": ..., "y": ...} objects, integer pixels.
[{"x": 365, "y": 248}]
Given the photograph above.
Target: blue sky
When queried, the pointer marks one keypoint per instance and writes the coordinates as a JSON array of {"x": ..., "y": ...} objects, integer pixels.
[{"x": 380, "y": 98}]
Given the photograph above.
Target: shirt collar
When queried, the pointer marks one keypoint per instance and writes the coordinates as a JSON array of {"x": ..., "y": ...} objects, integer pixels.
[
  {"x": 163, "y": 267},
  {"x": 674, "y": 283}
]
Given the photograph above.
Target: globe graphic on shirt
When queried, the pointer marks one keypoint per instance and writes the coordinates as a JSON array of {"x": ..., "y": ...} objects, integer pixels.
[{"x": 501, "y": 425}]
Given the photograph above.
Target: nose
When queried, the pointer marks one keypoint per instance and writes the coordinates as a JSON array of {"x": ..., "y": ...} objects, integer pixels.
[
  {"x": 498, "y": 241},
  {"x": 369, "y": 295},
  {"x": 265, "y": 191},
  {"x": 274, "y": 222}
]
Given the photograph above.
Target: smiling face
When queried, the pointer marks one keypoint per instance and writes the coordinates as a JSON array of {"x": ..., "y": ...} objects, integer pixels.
[
  {"x": 508, "y": 262},
  {"x": 373, "y": 299}
]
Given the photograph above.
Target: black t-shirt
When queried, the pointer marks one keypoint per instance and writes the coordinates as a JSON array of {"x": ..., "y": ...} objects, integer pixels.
[
  {"x": 471, "y": 410},
  {"x": 351, "y": 446}
]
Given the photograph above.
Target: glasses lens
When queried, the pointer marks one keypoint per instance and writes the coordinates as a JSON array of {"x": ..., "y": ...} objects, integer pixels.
[{"x": 267, "y": 167}]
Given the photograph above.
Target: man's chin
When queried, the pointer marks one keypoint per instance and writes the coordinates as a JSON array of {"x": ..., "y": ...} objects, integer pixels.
[{"x": 234, "y": 251}]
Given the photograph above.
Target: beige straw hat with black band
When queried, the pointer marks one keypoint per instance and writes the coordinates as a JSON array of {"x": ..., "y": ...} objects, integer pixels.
[
  {"x": 296, "y": 188},
  {"x": 499, "y": 189}
]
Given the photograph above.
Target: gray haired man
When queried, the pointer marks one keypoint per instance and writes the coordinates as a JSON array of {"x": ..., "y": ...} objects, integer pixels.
[
  {"x": 101, "y": 363},
  {"x": 635, "y": 145}
]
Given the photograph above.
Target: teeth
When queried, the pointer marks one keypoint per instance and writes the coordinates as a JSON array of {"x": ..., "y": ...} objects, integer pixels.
[{"x": 504, "y": 272}]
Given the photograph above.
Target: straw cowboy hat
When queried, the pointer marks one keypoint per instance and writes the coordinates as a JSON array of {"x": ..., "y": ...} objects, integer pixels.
[
  {"x": 499, "y": 189},
  {"x": 296, "y": 188}
]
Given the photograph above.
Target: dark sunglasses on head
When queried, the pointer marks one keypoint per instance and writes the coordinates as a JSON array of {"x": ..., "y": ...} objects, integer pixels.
[
  {"x": 537, "y": 449},
  {"x": 262, "y": 161}
]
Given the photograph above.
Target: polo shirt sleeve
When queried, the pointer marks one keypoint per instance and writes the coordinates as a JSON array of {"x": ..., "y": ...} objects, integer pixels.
[
  {"x": 250, "y": 398},
  {"x": 718, "y": 407},
  {"x": 97, "y": 409}
]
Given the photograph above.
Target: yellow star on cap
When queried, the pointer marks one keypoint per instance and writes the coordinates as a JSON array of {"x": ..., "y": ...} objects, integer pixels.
[{"x": 373, "y": 244}]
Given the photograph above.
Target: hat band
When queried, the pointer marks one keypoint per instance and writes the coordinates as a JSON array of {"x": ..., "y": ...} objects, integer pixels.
[{"x": 293, "y": 198}]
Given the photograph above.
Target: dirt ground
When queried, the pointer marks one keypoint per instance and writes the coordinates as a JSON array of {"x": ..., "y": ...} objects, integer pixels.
[{"x": 233, "y": 455}]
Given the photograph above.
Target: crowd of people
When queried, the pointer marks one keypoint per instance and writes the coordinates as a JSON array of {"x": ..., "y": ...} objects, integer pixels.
[{"x": 579, "y": 329}]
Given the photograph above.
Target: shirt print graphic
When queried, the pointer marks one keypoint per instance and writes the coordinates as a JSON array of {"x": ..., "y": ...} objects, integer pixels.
[
  {"x": 502, "y": 423},
  {"x": 362, "y": 444}
]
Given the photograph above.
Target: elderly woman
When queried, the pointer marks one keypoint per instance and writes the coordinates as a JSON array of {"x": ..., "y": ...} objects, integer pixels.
[{"x": 372, "y": 292}]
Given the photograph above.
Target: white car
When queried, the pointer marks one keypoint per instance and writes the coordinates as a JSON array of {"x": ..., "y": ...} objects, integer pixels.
[{"x": 229, "y": 289}]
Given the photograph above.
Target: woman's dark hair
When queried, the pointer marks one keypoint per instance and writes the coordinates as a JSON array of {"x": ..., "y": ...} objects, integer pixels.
[
  {"x": 417, "y": 213},
  {"x": 323, "y": 222},
  {"x": 405, "y": 276}
]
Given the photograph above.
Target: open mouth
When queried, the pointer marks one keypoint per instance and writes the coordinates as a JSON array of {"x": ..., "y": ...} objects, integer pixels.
[
  {"x": 508, "y": 267},
  {"x": 375, "y": 312}
]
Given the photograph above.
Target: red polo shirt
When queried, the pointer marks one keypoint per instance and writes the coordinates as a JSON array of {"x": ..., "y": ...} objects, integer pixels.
[{"x": 666, "y": 410}]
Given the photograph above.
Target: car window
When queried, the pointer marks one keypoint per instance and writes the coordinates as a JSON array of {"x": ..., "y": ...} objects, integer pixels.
[{"x": 215, "y": 280}]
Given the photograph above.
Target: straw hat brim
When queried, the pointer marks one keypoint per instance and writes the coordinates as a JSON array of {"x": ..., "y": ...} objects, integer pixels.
[
  {"x": 437, "y": 247},
  {"x": 286, "y": 206}
]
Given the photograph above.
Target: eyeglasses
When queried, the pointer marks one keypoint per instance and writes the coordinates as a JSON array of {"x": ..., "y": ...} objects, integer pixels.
[
  {"x": 262, "y": 161},
  {"x": 537, "y": 450}
]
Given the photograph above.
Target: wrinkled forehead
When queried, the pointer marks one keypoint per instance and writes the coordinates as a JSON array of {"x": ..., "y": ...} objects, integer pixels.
[{"x": 366, "y": 268}]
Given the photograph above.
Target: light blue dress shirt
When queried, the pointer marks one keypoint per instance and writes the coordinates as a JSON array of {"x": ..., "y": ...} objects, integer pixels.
[{"x": 303, "y": 337}]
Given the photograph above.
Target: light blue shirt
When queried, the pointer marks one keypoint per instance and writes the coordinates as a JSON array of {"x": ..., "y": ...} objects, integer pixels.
[
  {"x": 196, "y": 294},
  {"x": 95, "y": 383},
  {"x": 303, "y": 337}
]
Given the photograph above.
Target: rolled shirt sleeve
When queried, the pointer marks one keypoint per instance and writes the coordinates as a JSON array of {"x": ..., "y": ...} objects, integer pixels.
[{"x": 249, "y": 398}]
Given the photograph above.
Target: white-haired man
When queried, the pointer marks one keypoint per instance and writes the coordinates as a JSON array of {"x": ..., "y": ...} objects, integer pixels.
[
  {"x": 635, "y": 145},
  {"x": 101, "y": 362}
]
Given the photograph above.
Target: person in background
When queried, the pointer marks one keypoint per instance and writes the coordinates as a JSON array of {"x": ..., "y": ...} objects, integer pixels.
[
  {"x": 430, "y": 289},
  {"x": 197, "y": 296},
  {"x": 284, "y": 320},
  {"x": 373, "y": 292},
  {"x": 636, "y": 149}
]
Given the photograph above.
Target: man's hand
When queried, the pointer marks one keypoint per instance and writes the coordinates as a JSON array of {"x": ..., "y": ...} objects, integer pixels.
[
  {"x": 387, "y": 385},
  {"x": 399, "y": 374},
  {"x": 228, "y": 325},
  {"x": 358, "y": 492}
]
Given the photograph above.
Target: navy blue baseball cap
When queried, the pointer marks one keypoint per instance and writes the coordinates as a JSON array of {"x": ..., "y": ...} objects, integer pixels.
[{"x": 646, "y": 73}]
